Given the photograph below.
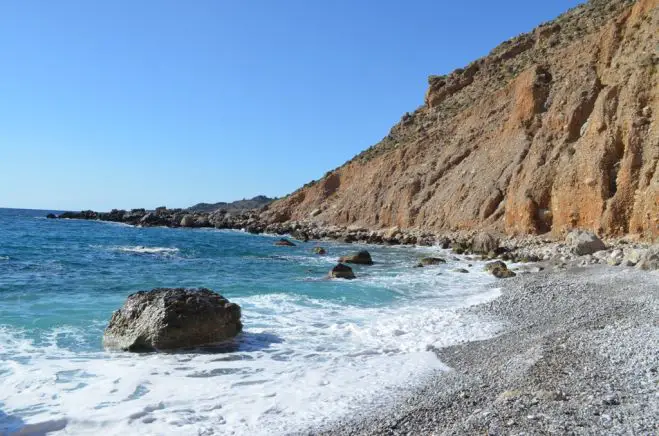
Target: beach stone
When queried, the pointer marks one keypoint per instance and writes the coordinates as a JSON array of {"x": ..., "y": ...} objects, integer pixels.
[
  {"x": 632, "y": 257},
  {"x": 484, "y": 243},
  {"x": 342, "y": 271},
  {"x": 319, "y": 250},
  {"x": 649, "y": 259},
  {"x": 499, "y": 270},
  {"x": 583, "y": 242},
  {"x": 283, "y": 242},
  {"x": 188, "y": 221},
  {"x": 170, "y": 318},
  {"x": 362, "y": 257},
  {"x": 428, "y": 261}
]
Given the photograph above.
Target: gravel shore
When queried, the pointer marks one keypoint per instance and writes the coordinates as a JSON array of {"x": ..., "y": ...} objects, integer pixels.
[{"x": 579, "y": 355}]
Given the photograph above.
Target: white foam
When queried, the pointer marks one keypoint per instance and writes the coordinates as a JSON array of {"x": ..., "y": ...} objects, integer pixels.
[
  {"x": 301, "y": 362},
  {"x": 147, "y": 250}
]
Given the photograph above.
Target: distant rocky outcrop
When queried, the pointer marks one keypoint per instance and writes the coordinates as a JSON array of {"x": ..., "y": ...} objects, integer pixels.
[
  {"x": 166, "y": 318},
  {"x": 555, "y": 129},
  {"x": 241, "y": 205}
]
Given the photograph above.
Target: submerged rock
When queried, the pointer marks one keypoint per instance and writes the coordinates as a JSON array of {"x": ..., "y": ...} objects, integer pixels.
[
  {"x": 583, "y": 242},
  {"x": 170, "y": 318},
  {"x": 319, "y": 250},
  {"x": 283, "y": 242},
  {"x": 362, "y": 257},
  {"x": 342, "y": 271},
  {"x": 428, "y": 261},
  {"x": 499, "y": 270}
]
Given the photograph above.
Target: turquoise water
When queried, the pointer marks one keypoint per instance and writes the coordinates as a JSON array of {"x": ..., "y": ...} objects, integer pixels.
[{"x": 312, "y": 348}]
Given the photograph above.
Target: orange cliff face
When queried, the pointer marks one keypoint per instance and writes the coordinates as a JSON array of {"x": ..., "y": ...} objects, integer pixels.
[{"x": 553, "y": 130}]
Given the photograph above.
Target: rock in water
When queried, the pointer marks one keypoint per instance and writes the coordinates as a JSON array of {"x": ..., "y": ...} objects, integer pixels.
[
  {"x": 342, "y": 271},
  {"x": 499, "y": 270},
  {"x": 283, "y": 242},
  {"x": 170, "y": 318},
  {"x": 362, "y": 257},
  {"x": 484, "y": 243},
  {"x": 319, "y": 250},
  {"x": 427, "y": 261},
  {"x": 583, "y": 242}
]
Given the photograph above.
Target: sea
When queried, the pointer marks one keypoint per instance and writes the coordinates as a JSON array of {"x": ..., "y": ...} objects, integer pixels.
[{"x": 312, "y": 350}]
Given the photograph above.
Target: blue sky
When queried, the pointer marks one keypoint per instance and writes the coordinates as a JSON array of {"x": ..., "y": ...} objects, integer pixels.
[{"x": 145, "y": 103}]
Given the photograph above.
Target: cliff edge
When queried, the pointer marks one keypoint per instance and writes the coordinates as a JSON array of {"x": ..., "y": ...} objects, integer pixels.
[{"x": 553, "y": 130}]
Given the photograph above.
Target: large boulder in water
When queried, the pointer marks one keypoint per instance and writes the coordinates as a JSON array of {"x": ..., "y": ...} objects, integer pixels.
[
  {"x": 362, "y": 257},
  {"x": 583, "y": 242},
  {"x": 170, "y": 318},
  {"x": 342, "y": 271}
]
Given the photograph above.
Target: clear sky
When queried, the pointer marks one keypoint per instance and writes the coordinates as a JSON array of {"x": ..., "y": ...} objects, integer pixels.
[{"x": 142, "y": 103}]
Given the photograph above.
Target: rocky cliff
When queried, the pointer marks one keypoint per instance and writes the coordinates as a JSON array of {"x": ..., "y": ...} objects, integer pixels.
[{"x": 554, "y": 129}]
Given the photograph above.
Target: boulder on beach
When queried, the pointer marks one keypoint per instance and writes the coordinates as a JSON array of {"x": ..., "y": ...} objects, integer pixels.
[
  {"x": 170, "y": 318},
  {"x": 362, "y": 257},
  {"x": 428, "y": 261},
  {"x": 499, "y": 270},
  {"x": 649, "y": 260},
  {"x": 342, "y": 271},
  {"x": 484, "y": 243},
  {"x": 283, "y": 242},
  {"x": 319, "y": 250},
  {"x": 583, "y": 242}
]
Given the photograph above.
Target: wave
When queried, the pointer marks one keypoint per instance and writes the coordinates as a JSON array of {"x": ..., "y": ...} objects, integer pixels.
[{"x": 141, "y": 249}]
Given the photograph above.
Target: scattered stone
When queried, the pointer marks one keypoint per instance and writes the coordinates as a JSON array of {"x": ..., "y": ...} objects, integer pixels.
[
  {"x": 583, "y": 242},
  {"x": 170, "y": 318},
  {"x": 650, "y": 259},
  {"x": 362, "y": 257},
  {"x": 460, "y": 270},
  {"x": 499, "y": 270},
  {"x": 342, "y": 271}
]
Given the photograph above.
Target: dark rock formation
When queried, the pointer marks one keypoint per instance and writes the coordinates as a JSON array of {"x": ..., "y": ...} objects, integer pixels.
[
  {"x": 499, "y": 270},
  {"x": 319, "y": 250},
  {"x": 362, "y": 257},
  {"x": 342, "y": 271},
  {"x": 428, "y": 261},
  {"x": 168, "y": 318}
]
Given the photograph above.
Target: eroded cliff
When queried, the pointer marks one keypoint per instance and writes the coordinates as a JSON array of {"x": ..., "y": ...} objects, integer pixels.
[{"x": 554, "y": 129}]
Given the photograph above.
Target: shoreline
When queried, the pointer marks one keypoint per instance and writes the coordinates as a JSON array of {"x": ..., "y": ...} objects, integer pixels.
[{"x": 579, "y": 355}]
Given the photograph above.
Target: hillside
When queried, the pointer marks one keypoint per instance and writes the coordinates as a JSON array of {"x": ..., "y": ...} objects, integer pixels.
[
  {"x": 240, "y": 205},
  {"x": 554, "y": 129}
]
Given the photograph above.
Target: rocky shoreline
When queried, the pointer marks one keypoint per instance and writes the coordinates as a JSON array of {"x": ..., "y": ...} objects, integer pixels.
[
  {"x": 543, "y": 251},
  {"x": 579, "y": 355}
]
